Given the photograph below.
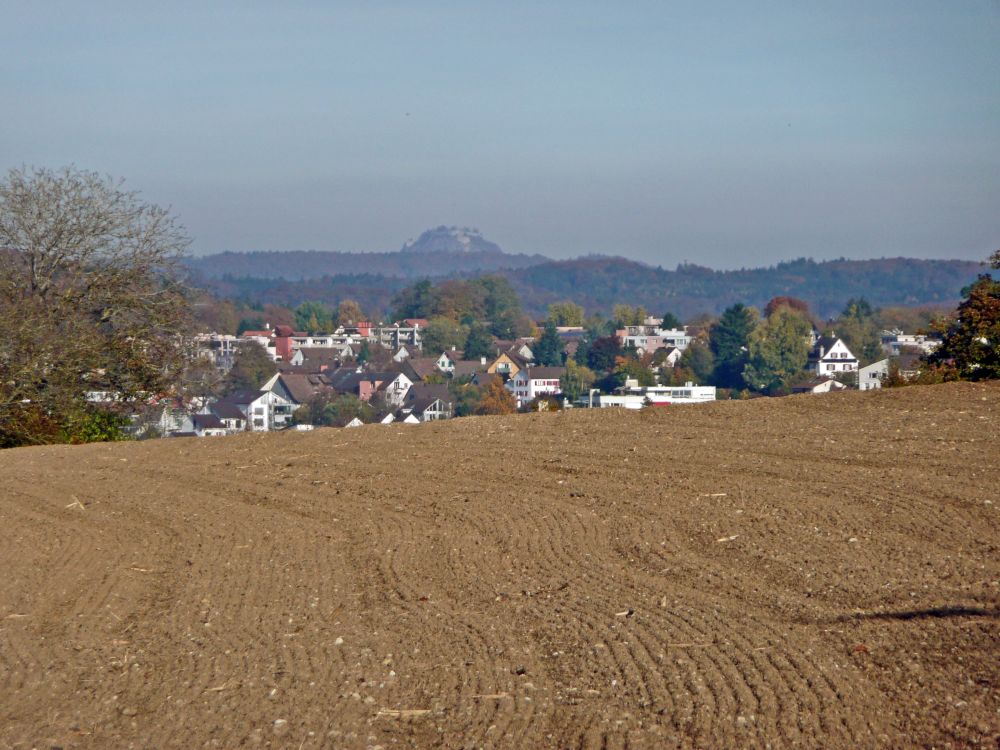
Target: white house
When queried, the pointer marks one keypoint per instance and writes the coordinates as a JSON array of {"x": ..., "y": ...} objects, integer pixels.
[
  {"x": 263, "y": 410},
  {"x": 394, "y": 391},
  {"x": 529, "y": 383},
  {"x": 830, "y": 356},
  {"x": 446, "y": 362},
  {"x": 208, "y": 425},
  {"x": 871, "y": 376},
  {"x": 895, "y": 342},
  {"x": 636, "y": 397},
  {"x": 648, "y": 338}
]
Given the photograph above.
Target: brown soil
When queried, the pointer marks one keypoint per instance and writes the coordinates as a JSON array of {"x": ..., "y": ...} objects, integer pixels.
[{"x": 814, "y": 571}]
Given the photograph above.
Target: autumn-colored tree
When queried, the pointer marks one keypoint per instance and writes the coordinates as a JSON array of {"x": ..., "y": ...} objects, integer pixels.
[
  {"x": 278, "y": 315},
  {"x": 626, "y": 315},
  {"x": 252, "y": 367},
  {"x": 212, "y": 315},
  {"x": 497, "y": 399},
  {"x": 971, "y": 340},
  {"x": 800, "y": 306},
  {"x": 91, "y": 300},
  {"x": 349, "y": 313},
  {"x": 632, "y": 368},
  {"x": 566, "y": 314}
]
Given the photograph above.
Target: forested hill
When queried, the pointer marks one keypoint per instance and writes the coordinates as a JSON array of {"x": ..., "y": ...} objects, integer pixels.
[
  {"x": 598, "y": 283},
  {"x": 295, "y": 265}
]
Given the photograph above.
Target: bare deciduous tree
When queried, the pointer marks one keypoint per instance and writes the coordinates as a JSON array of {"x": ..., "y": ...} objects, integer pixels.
[{"x": 90, "y": 300}]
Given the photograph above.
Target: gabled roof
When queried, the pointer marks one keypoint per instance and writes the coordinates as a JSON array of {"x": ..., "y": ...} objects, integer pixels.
[
  {"x": 421, "y": 391},
  {"x": 469, "y": 367},
  {"x": 227, "y": 410},
  {"x": 207, "y": 422},
  {"x": 242, "y": 397},
  {"x": 542, "y": 373},
  {"x": 320, "y": 353},
  {"x": 824, "y": 344},
  {"x": 421, "y": 367},
  {"x": 420, "y": 405},
  {"x": 302, "y": 387}
]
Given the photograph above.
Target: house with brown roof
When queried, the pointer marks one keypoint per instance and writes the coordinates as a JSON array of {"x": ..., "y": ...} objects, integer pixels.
[
  {"x": 207, "y": 425},
  {"x": 507, "y": 364},
  {"x": 420, "y": 368},
  {"x": 428, "y": 402},
  {"x": 298, "y": 388},
  {"x": 469, "y": 367}
]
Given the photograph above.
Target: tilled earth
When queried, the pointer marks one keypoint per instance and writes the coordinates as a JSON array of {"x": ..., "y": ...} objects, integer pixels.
[{"x": 814, "y": 571}]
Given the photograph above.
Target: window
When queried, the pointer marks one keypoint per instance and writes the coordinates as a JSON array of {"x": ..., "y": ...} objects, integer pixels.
[{"x": 831, "y": 367}]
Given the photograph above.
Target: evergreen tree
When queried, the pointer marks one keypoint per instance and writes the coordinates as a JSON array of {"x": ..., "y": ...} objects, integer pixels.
[
  {"x": 549, "y": 349},
  {"x": 859, "y": 330},
  {"x": 728, "y": 340},
  {"x": 603, "y": 353},
  {"x": 670, "y": 321},
  {"x": 478, "y": 343},
  {"x": 313, "y": 317}
]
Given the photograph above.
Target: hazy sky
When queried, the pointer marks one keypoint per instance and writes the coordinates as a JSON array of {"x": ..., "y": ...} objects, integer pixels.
[{"x": 722, "y": 133}]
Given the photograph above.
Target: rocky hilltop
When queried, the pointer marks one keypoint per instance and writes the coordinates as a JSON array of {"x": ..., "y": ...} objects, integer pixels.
[{"x": 444, "y": 239}]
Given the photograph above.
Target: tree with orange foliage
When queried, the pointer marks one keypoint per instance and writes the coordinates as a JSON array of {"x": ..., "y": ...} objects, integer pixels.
[
  {"x": 497, "y": 399},
  {"x": 800, "y": 306}
]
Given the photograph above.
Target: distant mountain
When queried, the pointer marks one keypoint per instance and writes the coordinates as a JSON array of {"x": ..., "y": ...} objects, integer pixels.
[
  {"x": 451, "y": 240},
  {"x": 296, "y": 265}
]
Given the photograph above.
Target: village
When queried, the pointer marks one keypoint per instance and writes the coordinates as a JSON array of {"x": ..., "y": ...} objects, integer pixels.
[{"x": 366, "y": 373}]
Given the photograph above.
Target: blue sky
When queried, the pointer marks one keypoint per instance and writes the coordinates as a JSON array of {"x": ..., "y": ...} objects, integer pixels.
[{"x": 726, "y": 133}]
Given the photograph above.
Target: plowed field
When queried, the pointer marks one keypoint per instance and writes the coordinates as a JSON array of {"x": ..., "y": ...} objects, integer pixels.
[{"x": 814, "y": 571}]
